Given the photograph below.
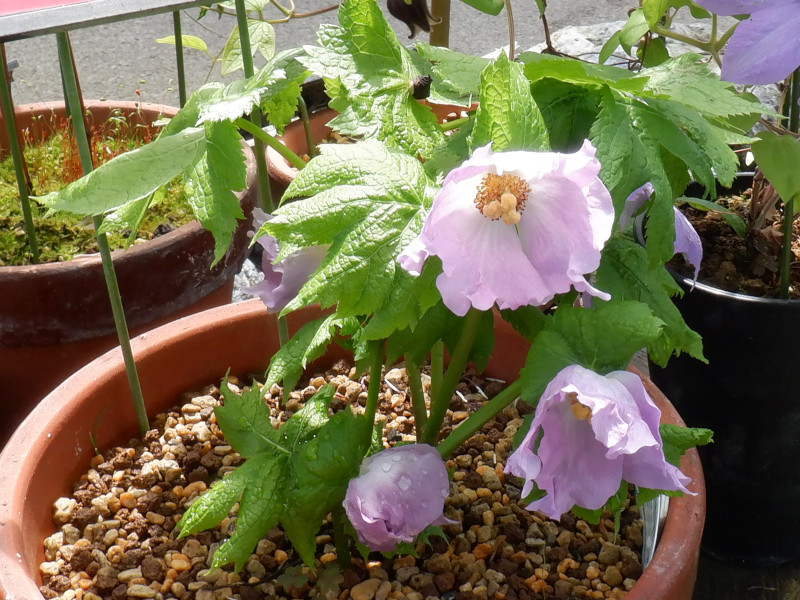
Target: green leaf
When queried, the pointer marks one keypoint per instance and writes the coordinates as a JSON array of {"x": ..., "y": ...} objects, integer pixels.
[
  {"x": 653, "y": 53},
  {"x": 677, "y": 440},
  {"x": 368, "y": 202},
  {"x": 211, "y": 182},
  {"x": 626, "y": 274},
  {"x": 188, "y": 41},
  {"x": 280, "y": 104},
  {"x": 215, "y": 504},
  {"x": 611, "y": 44},
  {"x": 130, "y": 216},
  {"x": 262, "y": 39},
  {"x": 544, "y": 66},
  {"x": 489, "y": 7},
  {"x": 613, "y": 505},
  {"x": 603, "y": 339},
  {"x": 633, "y": 30},
  {"x": 453, "y": 71},
  {"x": 259, "y": 508},
  {"x": 245, "y": 421},
  {"x": 731, "y": 218},
  {"x": 527, "y": 320},
  {"x": 653, "y": 11},
  {"x": 373, "y": 79},
  {"x": 507, "y": 115},
  {"x": 568, "y": 111},
  {"x": 129, "y": 176},
  {"x": 309, "y": 343},
  {"x": 687, "y": 79},
  {"x": 778, "y": 157},
  {"x": 321, "y": 472}
]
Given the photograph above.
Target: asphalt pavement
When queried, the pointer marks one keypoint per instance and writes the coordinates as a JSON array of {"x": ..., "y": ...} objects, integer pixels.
[{"x": 122, "y": 61}]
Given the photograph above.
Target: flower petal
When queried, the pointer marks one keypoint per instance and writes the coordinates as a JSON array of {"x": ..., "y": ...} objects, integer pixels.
[{"x": 687, "y": 242}]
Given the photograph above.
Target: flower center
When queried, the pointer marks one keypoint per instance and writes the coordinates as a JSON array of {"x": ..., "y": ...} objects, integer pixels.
[
  {"x": 579, "y": 411},
  {"x": 502, "y": 197}
]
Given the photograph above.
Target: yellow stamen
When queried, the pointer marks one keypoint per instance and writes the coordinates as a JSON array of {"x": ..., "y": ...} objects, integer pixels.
[
  {"x": 579, "y": 411},
  {"x": 502, "y": 197}
]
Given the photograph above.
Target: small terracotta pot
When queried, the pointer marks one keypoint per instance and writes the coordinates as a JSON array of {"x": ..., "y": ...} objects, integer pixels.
[
  {"x": 51, "y": 448},
  {"x": 56, "y": 317}
]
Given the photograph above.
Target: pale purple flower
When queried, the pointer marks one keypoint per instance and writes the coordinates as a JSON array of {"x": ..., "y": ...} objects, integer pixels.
[
  {"x": 515, "y": 228},
  {"x": 765, "y": 48},
  {"x": 595, "y": 431},
  {"x": 284, "y": 279},
  {"x": 687, "y": 240},
  {"x": 399, "y": 492}
]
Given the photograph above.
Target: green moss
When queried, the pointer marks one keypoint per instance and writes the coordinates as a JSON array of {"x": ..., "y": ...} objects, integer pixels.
[{"x": 52, "y": 164}]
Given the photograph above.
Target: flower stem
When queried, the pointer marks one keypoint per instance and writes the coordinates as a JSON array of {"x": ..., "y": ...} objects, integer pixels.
[
  {"x": 440, "y": 33},
  {"x": 441, "y": 395},
  {"x": 312, "y": 147},
  {"x": 340, "y": 539},
  {"x": 272, "y": 142},
  {"x": 265, "y": 193},
  {"x": 786, "y": 246},
  {"x": 478, "y": 419},
  {"x": 417, "y": 395},
  {"x": 72, "y": 96},
  {"x": 512, "y": 43},
  {"x": 373, "y": 391},
  {"x": 437, "y": 365}
]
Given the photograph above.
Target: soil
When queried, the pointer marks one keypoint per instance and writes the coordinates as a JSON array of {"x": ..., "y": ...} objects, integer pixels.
[
  {"x": 114, "y": 537},
  {"x": 748, "y": 265},
  {"x": 52, "y": 163}
]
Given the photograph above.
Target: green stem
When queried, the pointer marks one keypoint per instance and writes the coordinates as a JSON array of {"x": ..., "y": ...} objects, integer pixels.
[
  {"x": 511, "y": 39},
  {"x": 440, "y": 396},
  {"x": 312, "y": 147},
  {"x": 437, "y": 365},
  {"x": 454, "y": 124},
  {"x": 272, "y": 142},
  {"x": 374, "y": 389},
  {"x": 794, "y": 96},
  {"x": 71, "y": 88},
  {"x": 264, "y": 190},
  {"x": 478, "y": 419},
  {"x": 440, "y": 33},
  {"x": 340, "y": 539},
  {"x": 663, "y": 32},
  {"x": 283, "y": 331},
  {"x": 176, "y": 25},
  {"x": 786, "y": 246},
  {"x": 18, "y": 158},
  {"x": 417, "y": 395}
]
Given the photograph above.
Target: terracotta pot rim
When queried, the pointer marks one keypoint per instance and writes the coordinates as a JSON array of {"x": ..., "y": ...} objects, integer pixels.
[{"x": 675, "y": 557}]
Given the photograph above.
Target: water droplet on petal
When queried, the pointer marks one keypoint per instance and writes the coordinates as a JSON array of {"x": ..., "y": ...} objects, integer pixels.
[
  {"x": 424, "y": 505},
  {"x": 444, "y": 493},
  {"x": 424, "y": 472},
  {"x": 386, "y": 467},
  {"x": 396, "y": 457},
  {"x": 404, "y": 483}
]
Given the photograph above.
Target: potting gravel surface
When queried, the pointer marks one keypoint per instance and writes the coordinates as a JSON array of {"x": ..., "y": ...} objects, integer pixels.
[{"x": 114, "y": 537}]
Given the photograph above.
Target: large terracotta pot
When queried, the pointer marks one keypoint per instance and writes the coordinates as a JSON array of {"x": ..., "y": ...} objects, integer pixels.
[
  {"x": 56, "y": 317},
  {"x": 51, "y": 448}
]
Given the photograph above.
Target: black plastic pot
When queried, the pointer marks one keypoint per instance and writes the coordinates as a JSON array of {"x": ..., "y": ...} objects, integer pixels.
[{"x": 749, "y": 395}]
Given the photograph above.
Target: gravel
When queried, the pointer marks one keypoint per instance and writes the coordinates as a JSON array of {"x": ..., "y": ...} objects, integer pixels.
[{"x": 113, "y": 539}]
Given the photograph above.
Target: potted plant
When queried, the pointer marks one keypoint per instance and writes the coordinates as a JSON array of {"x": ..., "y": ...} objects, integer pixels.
[
  {"x": 418, "y": 239},
  {"x": 743, "y": 303}
]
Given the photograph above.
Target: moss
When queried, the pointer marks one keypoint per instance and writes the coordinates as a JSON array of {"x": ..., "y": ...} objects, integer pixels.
[{"x": 52, "y": 164}]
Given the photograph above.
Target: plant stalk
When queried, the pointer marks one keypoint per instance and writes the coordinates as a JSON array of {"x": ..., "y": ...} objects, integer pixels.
[
  {"x": 73, "y": 101},
  {"x": 269, "y": 140},
  {"x": 340, "y": 539},
  {"x": 374, "y": 389},
  {"x": 264, "y": 191},
  {"x": 512, "y": 43},
  {"x": 440, "y": 33},
  {"x": 478, "y": 419},
  {"x": 301, "y": 106},
  {"x": 417, "y": 395},
  {"x": 176, "y": 25},
  {"x": 441, "y": 395},
  {"x": 786, "y": 246},
  {"x": 794, "y": 97},
  {"x": 18, "y": 158}
]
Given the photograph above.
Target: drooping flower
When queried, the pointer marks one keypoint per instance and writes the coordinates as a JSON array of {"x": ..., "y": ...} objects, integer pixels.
[
  {"x": 284, "y": 279},
  {"x": 687, "y": 240},
  {"x": 515, "y": 228},
  {"x": 399, "y": 492},
  {"x": 765, "y": 48},
  {"x": 414, "y": 13},
  {"x": 595, "y": 431}
]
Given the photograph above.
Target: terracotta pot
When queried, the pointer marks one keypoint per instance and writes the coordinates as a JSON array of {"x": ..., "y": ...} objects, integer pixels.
[
  {"x": 51, "y": 448},
  {"x": 56, "y": 317}
]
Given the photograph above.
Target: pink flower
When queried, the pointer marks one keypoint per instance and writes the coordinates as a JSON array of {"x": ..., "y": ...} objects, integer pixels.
[
  {"x": 284, "y": 279},
  {"x": 398, "y": 493},
  {"x": 595, "y": 432},
  {"x": 515, "y": 228},
  {"x": 765, "y": 48}
]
